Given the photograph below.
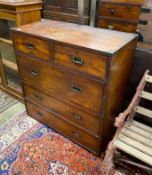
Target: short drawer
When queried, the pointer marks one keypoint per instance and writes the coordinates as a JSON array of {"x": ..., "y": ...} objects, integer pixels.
[
  {"x": 62, "y": 127},
  {"x": 123, "y": 26},
  {"x": 33, "y": 46},
  {"x": 121, "y": 11},
  {"x": 76, "y": 89},
  {"x": 80, "y": 60},
  {"x": 68, "y": 112}
]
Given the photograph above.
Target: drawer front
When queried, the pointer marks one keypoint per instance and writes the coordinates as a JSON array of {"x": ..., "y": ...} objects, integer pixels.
[
  {"x": 116, "y": 25},
  {"x": 79, "y": 60},
  {"x": 34, "y": 46},
  {"x": 63, "y": 127},
  {"x": 73, "y": 88},
  {"x": 77, "y": 117},
  {"x": 55, "y": 15},
  {"x": 127, "y": 12}
]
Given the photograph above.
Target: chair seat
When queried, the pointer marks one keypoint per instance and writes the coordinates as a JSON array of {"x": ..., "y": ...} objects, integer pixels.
[{"x": 136, "y": 140}]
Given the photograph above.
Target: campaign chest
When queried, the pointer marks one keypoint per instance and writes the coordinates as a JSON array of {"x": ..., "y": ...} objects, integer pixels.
[{"x": 74, "y": 77}]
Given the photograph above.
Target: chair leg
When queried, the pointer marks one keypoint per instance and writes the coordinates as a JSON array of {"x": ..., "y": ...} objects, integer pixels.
[{"x": 107, "y": 164}]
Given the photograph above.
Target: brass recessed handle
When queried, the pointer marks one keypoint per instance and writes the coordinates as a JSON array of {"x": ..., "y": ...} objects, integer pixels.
[
  {"x": 76, "y": 135},
  {"x": 38, "y": 97},
  {"x": 110, "y": 27},
  {"x": 77, "y": 60},
  {"x": 77, "y": 116},
  {"x": 112, "y": 11},
  {"x": 30, "y": 46},
  {"x": 129, "y": 6},
  {"x": 76, "y": 89},
  {"x": 34, "y": 73},
  {"x": 40, "y": 114}
]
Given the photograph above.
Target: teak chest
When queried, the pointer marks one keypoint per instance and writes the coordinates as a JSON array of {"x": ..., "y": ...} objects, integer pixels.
[
  {"x": 121, "y": 15},
  {"x": 74, "y": 77}
]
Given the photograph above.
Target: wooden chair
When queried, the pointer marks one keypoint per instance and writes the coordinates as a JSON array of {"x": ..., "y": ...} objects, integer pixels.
[{"x": 132, "y": 137}]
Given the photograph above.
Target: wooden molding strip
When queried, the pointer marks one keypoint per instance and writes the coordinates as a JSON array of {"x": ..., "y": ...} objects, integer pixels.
[
  {"x": 10, "y": 65},
  {"x": 6, "y": 41}
]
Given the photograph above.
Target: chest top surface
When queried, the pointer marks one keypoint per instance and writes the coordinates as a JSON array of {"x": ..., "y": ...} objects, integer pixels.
[
  {"x": 102, "y": 40},
  {"x": 19, "y": 2}
]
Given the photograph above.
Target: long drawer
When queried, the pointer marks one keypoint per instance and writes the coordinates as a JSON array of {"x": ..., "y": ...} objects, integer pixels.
[
  {"x": 68, "y": 112},
  {"x": 76, "y": 89},
  {"x": 121, "y": 11},
  {"x": 33, "y": 46},
  {"x": 63, "y": 127},
  {"x": 116, "y": 24},
  {"x": 60, "y": 16},
  {"x": 80, "y": 60}
]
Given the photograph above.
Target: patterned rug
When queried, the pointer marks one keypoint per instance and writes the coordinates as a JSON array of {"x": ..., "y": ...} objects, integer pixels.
[{"x": 30, "y": 148}]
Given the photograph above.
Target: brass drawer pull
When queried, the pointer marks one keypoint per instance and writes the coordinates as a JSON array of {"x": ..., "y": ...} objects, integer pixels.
[
  {"x": 40, "y": 114},
  {"x": 129, "y": 6},
  {"x": 77, "y": 60},
  {"x": 76, "y": 89},
  {"x": 76, "y": 135},
  {"x": 38, "y": 97},
  {"x": 77, "y": 116},
  {"x": 34, "y": 73},
  {"x": 30, "y": 46},
  {"x": 112, "y": 11},
  {"x": 110, "y": 27}
]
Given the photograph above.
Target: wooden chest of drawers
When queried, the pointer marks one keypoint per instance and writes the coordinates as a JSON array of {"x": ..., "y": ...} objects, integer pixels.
[
  {"x": 67, "y": 10},
  {"x": 74, "y": 77},
  {"x": 122, "y": 15}
]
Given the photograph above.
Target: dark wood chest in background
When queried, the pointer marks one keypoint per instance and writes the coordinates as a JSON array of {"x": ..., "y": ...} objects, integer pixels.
[
  {"x": 74, "y": 77},
  {"x": 66, "y": 10},
  {"x": 121, "y": 15}
]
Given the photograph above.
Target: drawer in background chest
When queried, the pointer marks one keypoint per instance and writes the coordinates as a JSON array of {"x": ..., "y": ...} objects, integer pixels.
[
  {"x": 120, "y": 11},
  {"x": 116, "y": 24},
  {"x": 63, "y": 127},
  {"x": 76, "y": 89},
  {"x": 80, "y": 60},
  {"x": 79, "y": 118},
  {"x": 33, "y": 46}
]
